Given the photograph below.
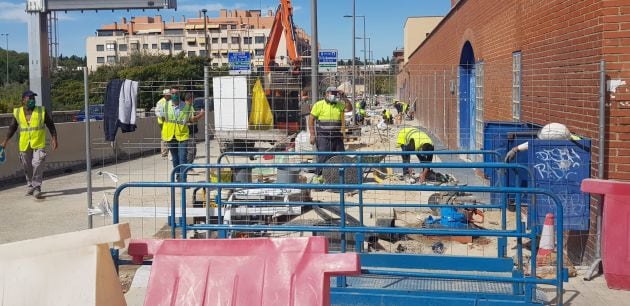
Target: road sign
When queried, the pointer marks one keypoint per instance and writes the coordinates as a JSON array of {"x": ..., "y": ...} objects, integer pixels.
[
  {"x": 328, "y": 61},
  {"x": 240, "y": 63}
]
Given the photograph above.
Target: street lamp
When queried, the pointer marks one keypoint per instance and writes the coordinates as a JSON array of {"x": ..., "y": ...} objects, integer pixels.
[
  {"x": 205, "y": 31},
  {"x": 6, "y": 81},
  {"x": 353, "y": 53}
]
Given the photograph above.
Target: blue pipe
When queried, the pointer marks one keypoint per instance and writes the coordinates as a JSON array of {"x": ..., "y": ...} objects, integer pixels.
[{"x": 529, "y": 280}]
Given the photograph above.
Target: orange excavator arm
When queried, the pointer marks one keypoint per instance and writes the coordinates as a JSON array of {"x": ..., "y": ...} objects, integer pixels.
[{"x": 283, "y": 23}]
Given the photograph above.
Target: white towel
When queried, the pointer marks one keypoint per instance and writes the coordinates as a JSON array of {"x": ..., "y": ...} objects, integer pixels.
[{"x": 127, "y": 102}]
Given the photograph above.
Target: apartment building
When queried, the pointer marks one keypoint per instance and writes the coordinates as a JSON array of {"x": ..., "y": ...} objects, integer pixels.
[{"x": 238, "y": 30}]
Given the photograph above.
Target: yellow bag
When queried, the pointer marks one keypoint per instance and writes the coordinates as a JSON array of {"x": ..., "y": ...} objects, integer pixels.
[{"x": 260, "y": 117}]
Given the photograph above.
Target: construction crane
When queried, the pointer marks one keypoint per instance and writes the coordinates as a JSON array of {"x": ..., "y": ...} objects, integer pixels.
[{"x": 283, "y": 23}]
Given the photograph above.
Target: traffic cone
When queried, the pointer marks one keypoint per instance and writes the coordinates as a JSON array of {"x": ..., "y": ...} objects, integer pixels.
[{"x": 547, "y": 242}]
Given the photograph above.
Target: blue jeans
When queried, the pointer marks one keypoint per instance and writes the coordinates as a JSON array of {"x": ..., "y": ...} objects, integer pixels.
[{"x": 178, "y": 152}]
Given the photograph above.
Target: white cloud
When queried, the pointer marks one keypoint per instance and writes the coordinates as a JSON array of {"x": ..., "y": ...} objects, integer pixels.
[
  {"x": 13, "y": 12},
  {"x": 297, "y": 8}
]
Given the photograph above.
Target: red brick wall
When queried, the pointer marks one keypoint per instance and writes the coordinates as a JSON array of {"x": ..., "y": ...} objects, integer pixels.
[{"x": 562, "y": 43}]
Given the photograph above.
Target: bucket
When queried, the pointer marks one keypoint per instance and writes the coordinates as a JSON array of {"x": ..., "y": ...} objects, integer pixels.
[
  {"x": 242, "y": 175},
  {"x": 288, "y": 175}
]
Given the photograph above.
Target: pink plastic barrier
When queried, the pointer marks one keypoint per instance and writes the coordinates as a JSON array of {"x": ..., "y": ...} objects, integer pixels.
[
  {"x": 262, "y": 271},
  {"x": 615, "y": 230}
]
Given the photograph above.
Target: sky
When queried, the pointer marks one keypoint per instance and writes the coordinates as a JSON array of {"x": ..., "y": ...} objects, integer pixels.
[{"x": 384, "y": 21}]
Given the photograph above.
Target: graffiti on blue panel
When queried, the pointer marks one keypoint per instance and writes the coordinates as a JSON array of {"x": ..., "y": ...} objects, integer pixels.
[{"x": 558, "y": 164}]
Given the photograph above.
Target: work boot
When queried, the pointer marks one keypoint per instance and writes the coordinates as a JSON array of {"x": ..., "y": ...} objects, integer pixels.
[
  {"x": 30, "y": 190},
  {"x": 409, "y": 179},
  {"x": 37, "y": 193}
]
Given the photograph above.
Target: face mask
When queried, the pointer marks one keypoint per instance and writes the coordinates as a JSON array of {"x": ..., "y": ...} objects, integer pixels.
[
  {"x": 331, "y": 98},
  {"x": 30, "y": 104}
]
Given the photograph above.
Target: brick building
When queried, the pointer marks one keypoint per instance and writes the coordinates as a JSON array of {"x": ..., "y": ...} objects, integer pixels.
[{"x": 530, "y": 61}]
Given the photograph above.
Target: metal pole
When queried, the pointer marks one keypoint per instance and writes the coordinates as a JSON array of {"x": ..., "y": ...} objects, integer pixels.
[
  {"x": 314, "y": 53},
  {"x": 7, "y": 37},
  {"x": 88, "y": 144},
  {"x": 206, "y": 97},
  {"x": 205, "y": 34},
  {"x": 600, "y": 169},
  {"x": 354, "y": 18},
  {"x": 364, "y": 61}
]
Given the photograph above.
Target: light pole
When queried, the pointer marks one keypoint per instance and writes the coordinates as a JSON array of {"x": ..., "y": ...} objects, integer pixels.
[
  {"x": 364, "y": 50},
  {"x": 6, "y": 81},
  {"x": 205, "y": 31},
  {"x": 353, "y": 53}
]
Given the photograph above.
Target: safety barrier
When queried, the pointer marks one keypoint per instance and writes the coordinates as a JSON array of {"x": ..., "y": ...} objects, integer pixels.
[{"x": 393, "y": 265}]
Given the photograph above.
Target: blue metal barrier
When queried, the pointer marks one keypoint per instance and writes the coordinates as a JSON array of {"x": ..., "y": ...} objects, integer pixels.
[{"x": 342, "y": 290}]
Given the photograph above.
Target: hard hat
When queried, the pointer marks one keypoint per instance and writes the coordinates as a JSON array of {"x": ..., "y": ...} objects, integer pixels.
[
  {"x": 554, "y": 131},
  {"x": 331, "y": 89},
  {"x": 166, "y": 92}
]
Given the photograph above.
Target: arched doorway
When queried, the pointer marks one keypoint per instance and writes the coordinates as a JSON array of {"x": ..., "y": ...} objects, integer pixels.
[{"x": 467, "y": 100}]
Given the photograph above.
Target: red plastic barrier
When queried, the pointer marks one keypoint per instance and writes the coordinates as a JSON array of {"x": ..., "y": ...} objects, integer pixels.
[
  {"x": 262, "y": 271},
  {"x": 615, "y": 230}
]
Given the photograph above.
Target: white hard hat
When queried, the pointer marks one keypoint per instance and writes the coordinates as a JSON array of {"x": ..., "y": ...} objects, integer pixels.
[
  {"x": 166, "y": 92},
  {"x": 554, "y": 131},
  {"x": 331, "y": 89}
]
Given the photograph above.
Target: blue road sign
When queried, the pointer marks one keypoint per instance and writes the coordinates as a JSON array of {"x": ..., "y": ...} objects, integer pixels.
[
  {"x": 328, "y": 60},
  {"x": 240, "y": 63}
]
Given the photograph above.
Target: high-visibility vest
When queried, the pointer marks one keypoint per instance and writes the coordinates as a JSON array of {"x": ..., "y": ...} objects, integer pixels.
[
  {"x": 405, "y": 106},
  {"x": 419, "y": 138},
  {"x": 388, "y": 115},
  {"x": 32, "y": 134},
  {"x": 176, "y": 126},
  {"x": 160, "y": 104},
  {"x": 360, "y": 110},
  {"x": 328, "y": 117}
]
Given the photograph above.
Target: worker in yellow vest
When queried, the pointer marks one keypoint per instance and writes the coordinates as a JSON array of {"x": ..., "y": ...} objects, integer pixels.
[
  {"x": 325, "y": 123},
  {"x": 175, "y": 117},
  {"x": 159, "y": 108},
  {"x": 412, "y": 139},
  {"x": 360, "y": 111},
  {"x": 30, "y": 120},
  {"x": 387, "y": 116}
]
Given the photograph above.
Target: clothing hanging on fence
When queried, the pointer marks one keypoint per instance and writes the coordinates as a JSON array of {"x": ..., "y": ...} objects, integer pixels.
[
  {"x": 110, "y": 110},
  {"x": 120, "y": 107},
  {"x": 127, "y": 106}
]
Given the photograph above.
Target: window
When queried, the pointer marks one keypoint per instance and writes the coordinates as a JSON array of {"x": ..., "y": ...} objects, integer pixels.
[
  {"x": 259, "y": 52},
  {"x": 516, "y": 86},
  {"x": 224, "y": 27},
  {"x": 165, "y": 46},
  {"x": 110, "y": 47},
  {"x": 100, "y": 48},
  {"x": 260, "y": 39},
  {"x": 479, "y": 104},
  {"x": 122, "y": 47},
  {"x": 153, "y": 46},
  {"x": 236, "y": 39},
  {"x": 111, "y": 59},
  {"x": 100, "y": 60},
  {"x": 202, "y": 53},
  {"x": 215, "y": 40},
  {"x": 192, "y": 53},
  {"x": 134, "y": 46},
  {"x": 124, "y": 59},
  {"x": 233, "y": 26},
  {"x": 177, "y": 46},
  {"x": 247, "y": 40},
  {"x": 215, "y": 64},
  {"x": 224, "y": 40},
  {"x": 145, "y": 46}
]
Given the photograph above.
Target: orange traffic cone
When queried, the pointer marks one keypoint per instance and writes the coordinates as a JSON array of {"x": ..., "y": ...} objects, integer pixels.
[{"x": 547, "y": 242}]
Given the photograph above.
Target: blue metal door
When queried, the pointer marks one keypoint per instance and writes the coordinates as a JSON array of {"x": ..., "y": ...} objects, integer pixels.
[
  {"x": 472, "y": 109},
  {"x": 464, "y": 108}
]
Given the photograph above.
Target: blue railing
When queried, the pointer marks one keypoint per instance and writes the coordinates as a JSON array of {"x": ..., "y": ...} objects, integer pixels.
[{"x": 519, "y": 232}]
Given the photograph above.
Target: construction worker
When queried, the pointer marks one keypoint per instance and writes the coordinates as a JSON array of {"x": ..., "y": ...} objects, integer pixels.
[
  {"x": 387, "y": 116},
  {"x": 551, "y": 131},
  {"x": 31, "y": 119},
  {"x": 360, "y": 110},
  {"x": 176, "y": 117},
  {"x": 325, "y": 123},
  {"x": 159, "y": 108},
  {"x": 412, "y": 139}
]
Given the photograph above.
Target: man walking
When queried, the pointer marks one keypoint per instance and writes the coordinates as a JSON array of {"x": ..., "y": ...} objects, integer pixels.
[
  {"x": 30, "y": 120},
  {"x": 325, "y": 123},
  {"x": 159, "y": 109}
]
